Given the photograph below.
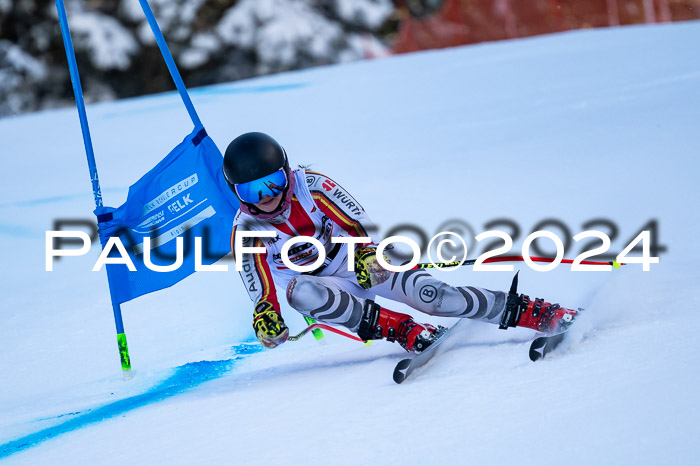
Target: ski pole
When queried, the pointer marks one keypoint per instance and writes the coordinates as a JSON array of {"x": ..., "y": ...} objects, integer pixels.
[
  {"x": 317, "y": 325},
  {"x": 440, "y": 265}
]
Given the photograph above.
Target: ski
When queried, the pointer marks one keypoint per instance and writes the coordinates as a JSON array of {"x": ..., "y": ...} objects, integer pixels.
[
  {"x": 406, "y": 366},
  {"x": 542, "y": 346}
]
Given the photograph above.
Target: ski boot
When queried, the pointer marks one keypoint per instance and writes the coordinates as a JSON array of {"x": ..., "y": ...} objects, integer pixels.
[
  {"x": 378, "y": 323},
  {"x": 535, "y": 314}
]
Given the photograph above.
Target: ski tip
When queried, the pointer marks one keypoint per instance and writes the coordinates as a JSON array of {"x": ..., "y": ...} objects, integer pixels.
[
  {"x": 400, "y": 373},
  {"x": 542, "y": 346},
  {"x": 537, "y": 349}
]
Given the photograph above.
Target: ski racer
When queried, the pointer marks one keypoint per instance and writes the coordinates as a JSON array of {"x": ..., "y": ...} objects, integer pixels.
[{"x": 301, "y": 202}]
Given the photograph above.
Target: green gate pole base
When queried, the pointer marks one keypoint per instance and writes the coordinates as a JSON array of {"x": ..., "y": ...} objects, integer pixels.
[{"x": 124, "y": 356}]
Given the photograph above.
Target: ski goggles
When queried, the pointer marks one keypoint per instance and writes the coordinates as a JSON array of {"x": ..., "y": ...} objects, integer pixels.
[{"x": 271, "y": 185}]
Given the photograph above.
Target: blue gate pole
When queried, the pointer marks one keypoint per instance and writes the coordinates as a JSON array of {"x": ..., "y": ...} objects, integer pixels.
[
  {"x": 172, "y": 67},
  {"x": 87, "y": 142}
]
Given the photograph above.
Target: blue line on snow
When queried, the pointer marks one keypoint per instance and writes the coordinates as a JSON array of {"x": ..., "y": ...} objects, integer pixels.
[
  {"x": 197, "y": 92},
  {"x": 58, "y": 417},
  {"x": 15, "y": 230},
  {"x": 184, "y": 378},
  {"x": 51, "y": 199},
  {"x": 246, "y": 89}
]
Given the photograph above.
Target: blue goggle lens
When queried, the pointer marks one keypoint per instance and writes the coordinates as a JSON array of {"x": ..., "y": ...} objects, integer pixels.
[{"x": 252, "y": 192}]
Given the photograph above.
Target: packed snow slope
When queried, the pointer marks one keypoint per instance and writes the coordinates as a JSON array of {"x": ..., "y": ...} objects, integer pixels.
[{"x": 576, "y": 126}]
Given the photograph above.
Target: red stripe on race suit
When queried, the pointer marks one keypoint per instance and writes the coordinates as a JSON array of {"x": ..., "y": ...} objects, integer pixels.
[
  {"x": 338, "y": 216},
  {"x": 269, "y": 293},
  {"x": 300, "y": 220}
]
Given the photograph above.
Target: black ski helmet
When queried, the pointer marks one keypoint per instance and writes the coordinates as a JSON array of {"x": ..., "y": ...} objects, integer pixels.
[{"x": 251, "y": 156}]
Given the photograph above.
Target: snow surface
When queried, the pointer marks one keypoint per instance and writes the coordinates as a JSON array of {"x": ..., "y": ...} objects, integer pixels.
[{"x": 572, "y": 126}]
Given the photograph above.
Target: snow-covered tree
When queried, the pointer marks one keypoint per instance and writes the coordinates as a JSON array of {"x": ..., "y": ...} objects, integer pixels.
[{"x": 212, "y": 41}]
